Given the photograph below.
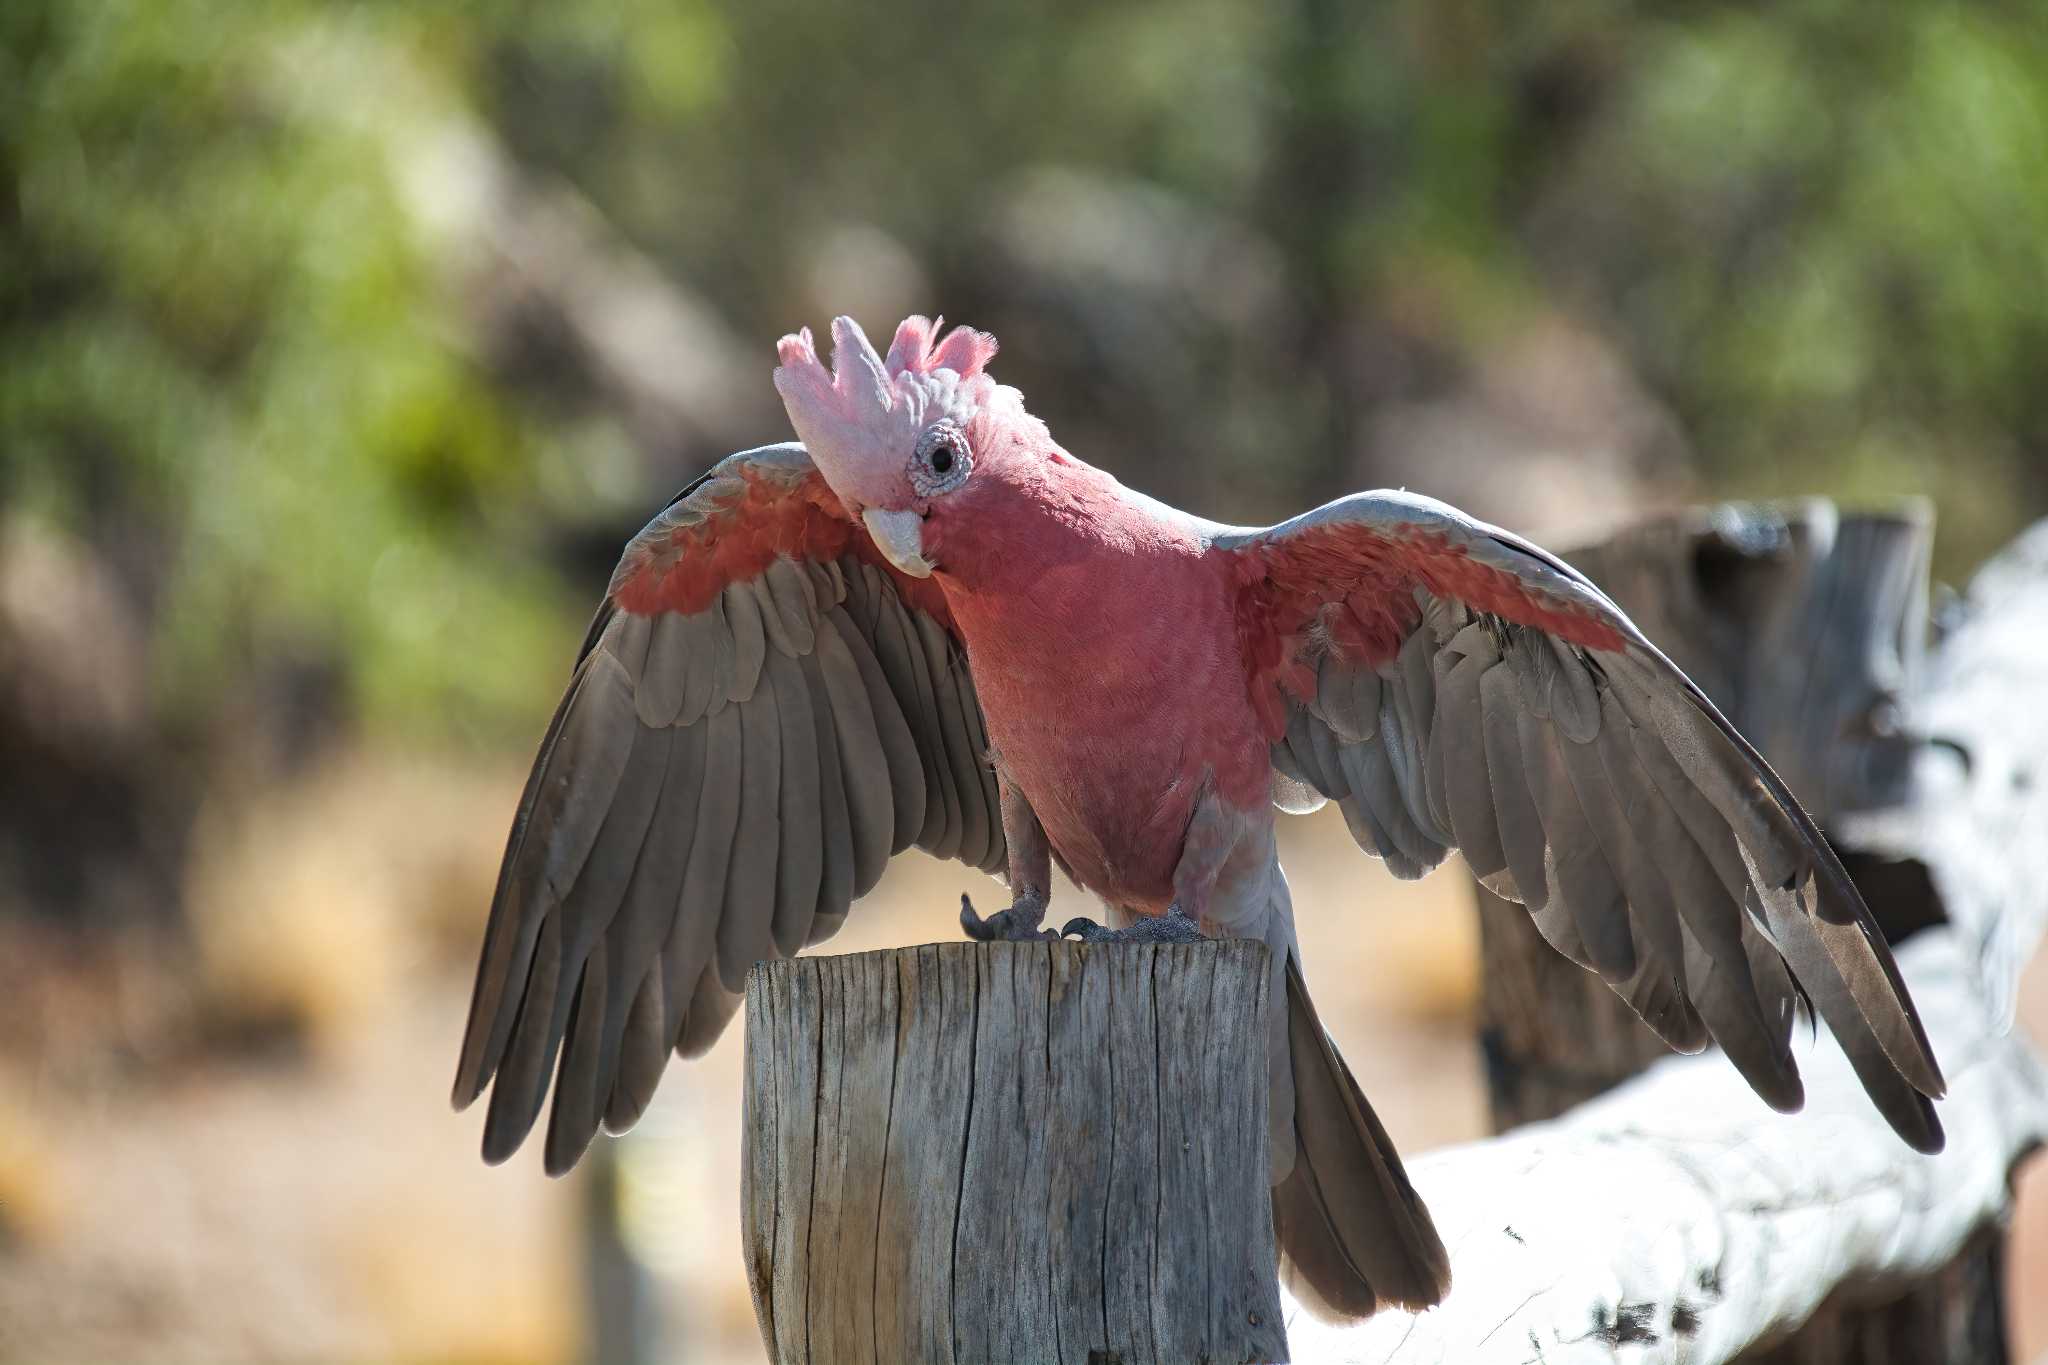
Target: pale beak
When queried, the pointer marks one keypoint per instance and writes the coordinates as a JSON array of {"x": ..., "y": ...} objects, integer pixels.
[{"x": 901, "y": 537}]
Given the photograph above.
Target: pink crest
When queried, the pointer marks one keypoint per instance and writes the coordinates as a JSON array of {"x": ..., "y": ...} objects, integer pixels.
[
  {"x": 963, "y": 350},
  {"x": 860, "y": 417}
]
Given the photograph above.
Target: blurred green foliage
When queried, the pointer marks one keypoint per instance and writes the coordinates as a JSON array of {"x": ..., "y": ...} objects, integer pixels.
[
  {"x": 235, "y": 362},
  {"x": 224, "y": 362}
]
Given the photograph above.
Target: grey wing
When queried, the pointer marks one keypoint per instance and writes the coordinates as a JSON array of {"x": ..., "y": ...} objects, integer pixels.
[
  {"x": 1594, "y": 784},
  {"x": 717, "y": 787}
]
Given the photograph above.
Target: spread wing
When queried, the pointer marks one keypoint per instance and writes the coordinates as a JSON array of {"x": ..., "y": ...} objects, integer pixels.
[
  {"x": 1450, "y": 685},
  {"x": 764, "y": 711}
]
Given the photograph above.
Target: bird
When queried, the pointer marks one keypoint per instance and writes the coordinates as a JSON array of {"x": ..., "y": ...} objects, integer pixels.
[{"x": 924, "y": 622}]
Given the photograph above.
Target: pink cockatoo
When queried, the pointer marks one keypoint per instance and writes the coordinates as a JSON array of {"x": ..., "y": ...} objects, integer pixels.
[{"x": 929, "y": 624}]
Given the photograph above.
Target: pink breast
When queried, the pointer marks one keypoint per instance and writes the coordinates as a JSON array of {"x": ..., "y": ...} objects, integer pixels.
[{"x": 1112, "y": 698}]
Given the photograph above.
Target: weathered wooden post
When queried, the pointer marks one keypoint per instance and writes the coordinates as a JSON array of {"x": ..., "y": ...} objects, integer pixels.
[
  {"x": 1808, "y": 629},
  {"x": 1011, "y": 1152}
]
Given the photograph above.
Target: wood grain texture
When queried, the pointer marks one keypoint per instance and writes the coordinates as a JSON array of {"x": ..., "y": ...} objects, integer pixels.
[{"x": 1011, "y": 1152}]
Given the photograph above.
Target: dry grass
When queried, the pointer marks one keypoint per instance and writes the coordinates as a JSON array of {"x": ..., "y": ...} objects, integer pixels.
[
  {"x": 314, "y": 1202},
  {"x": 310, "y": 905}
]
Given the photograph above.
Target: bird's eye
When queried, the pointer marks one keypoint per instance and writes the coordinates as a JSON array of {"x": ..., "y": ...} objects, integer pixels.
[{"x": 942, "y": 462}]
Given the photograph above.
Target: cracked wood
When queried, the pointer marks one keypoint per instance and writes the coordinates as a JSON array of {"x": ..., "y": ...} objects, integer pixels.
[{"x": 1011, "y": 1151}]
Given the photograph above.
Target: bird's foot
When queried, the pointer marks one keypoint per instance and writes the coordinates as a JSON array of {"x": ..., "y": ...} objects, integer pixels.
[
  {"x": 1175, "y": 926},
  {"x": 1018, "y": 924}
]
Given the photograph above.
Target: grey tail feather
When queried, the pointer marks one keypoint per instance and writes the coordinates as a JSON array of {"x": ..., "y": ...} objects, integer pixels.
[{"x": 1354, "y": 1236}]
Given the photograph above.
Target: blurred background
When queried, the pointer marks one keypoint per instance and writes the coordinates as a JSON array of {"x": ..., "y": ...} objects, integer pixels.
[{"x": 342, "y": 345}]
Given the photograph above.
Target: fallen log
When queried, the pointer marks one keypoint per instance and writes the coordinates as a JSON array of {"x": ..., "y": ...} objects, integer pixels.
[{"x": 1678, "y": 1219}]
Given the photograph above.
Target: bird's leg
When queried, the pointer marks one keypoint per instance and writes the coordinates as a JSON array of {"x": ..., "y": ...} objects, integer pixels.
[
  {"x": 1030, "y": 875},
  {"x": 1205, "y": 849}
]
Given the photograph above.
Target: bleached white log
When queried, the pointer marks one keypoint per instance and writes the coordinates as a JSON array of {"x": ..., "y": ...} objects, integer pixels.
[
  {"x": 1980, "y": 821},
  {"x": 1678, "y": 1219}
]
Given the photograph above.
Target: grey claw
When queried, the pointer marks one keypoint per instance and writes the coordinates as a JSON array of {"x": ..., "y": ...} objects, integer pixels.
[
  {"x": 1175, "y": 926},
  {"x": 973, "y": 925},
  {"x": 1004, "y": 926}
]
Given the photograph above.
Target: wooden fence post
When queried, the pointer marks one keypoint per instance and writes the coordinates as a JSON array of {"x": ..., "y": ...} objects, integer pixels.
[
  {"x": 1008, "y": 1152},
  {"x": 1809, "y": 630}
]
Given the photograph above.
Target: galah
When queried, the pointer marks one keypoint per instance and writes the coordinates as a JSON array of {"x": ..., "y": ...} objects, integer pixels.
[{"x": 930, "y": 624}]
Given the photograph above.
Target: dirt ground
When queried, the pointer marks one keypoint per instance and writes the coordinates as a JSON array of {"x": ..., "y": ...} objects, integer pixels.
[{"x": 275, "y": 1175}]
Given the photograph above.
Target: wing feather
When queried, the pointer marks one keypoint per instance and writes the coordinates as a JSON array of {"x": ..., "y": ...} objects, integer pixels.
[
  {"x": 984, "y": 770},
  {"x": 746, "y": 925},
  {"x": 1574, "y": 867},
  {"x": 1458, "y": 744},
  {"x": 870, "y": 803},
  {"x": 643, "y": 1055},
  {"x": 1642, "y": 900},
  {"x": 794, "y": 600},
  {"x": 658, "y": 691},
  {"x": 835, "y": 883},
  {"x": 899, "y": 746},
  {"x": 1300, "y": 743},
  {"x": 1514, "y": 802},
  {"x": 516, "y": 1094},
  {"x": 712, "y": 1007},
  {"x": 684, "y": 949},
  {"x": 942, "y": 835},
  {"x": 580, "y": 917},
  {"x": 518, "y": 906},
  {"x": 773, "y": 624},
  {"x": 1348, "y": 700},
  {"x": 800, "y": 863},
  {"x": 1436, "y": 780},
  {"x": 631, "y": 942},
  {"x": 718, "y": 818},
  {"x": 749, "y": 641},
  {"x": 961, "y": 759},
  {"x": 1373, "y": 810},
  {"x": 758, "y": 719},
  {"x": 577, "y": 1085},
  {"x": 1607, "y": 793},
  {"x": 1404, "y": 731}
]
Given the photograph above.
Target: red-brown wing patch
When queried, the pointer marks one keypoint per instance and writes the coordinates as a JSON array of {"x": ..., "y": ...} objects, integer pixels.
[
  {"x": 1359, "y": 586},
  {"x": 741, "y": 537},
  {"x": 1448, "y": 570}
]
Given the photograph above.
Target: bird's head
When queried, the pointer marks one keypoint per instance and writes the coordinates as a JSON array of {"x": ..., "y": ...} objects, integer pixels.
[{"x": 897, "y": 437}]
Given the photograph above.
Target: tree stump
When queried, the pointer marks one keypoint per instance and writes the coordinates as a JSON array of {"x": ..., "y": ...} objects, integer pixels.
[
  {"x": 1809, "y": 630},
  {"x": 1009, "y": 1152}
]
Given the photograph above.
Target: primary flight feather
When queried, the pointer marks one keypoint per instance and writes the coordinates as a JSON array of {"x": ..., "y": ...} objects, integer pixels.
[{"x": 929, "y": 624}]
